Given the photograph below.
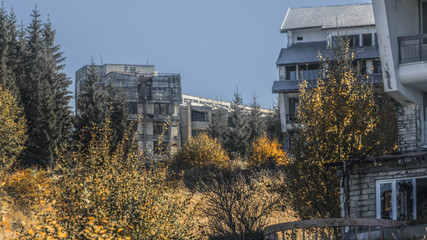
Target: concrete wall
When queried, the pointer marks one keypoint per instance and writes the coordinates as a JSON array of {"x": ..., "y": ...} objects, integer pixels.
[
  {"x": 308, "y": 35},
  {"x": 409, "y": 129}
]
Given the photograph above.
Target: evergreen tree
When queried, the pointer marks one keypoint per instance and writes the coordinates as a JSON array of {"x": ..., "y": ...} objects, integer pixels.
[
  {"x": 238, "y": 132},
  {"x": 119, "y": 113},
  {"x": 91, "y": 105},
  {"x": 44, "y": 95},
  {"x": 218, "y": 125},
  {"x": 274, "y": 128},
  {"x": 7, "y": 77},
  {"x": 257, "y": 125}
]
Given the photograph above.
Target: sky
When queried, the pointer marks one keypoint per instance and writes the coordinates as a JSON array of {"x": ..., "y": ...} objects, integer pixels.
[{"x": 218, "y": 46}]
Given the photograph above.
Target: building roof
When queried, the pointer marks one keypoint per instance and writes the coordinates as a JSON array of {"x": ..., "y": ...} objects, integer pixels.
[
  {"x": 329, "y": 17},
  {"x": 308, "y": 53},
  {"x": 291, "y": 86}
]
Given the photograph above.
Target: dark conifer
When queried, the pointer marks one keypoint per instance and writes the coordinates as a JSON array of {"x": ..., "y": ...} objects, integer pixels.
[
  {"x": 238, "y": 131},
  {"x": 257, "y": 124}
]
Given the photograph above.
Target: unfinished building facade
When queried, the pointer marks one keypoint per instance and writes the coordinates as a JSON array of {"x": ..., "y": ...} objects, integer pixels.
[{"x": 154, "y": 97}]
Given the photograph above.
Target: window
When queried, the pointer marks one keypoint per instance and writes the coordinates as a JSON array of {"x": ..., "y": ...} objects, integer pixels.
[
  {"x": 291, "y": 73},
  {"x": 293, "y": 105},
  {"x": 198, "y": 116},
  {"x": 367, "y": 39},
  {"x": 402, "y": 199},
  {"x": 158, "y": 128},
  {"x": 133, "y": 108},
  {"x": 299, "y": 38},
  {"x": 353, "y": 40},
  {"x": 161, "y": 108},
  {"x": 309, "y": 71},
  {"x": 376, "y": 66}
]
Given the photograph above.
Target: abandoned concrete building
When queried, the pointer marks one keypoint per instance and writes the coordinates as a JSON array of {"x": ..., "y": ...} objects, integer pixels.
[
  {"x": 196, "y": 114},
  {"x": 155, "y": 97},
  {"x": 387, "y": 194}
]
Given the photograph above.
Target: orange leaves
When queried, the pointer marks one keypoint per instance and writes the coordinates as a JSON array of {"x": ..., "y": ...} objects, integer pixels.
[
  {"x": 202, "y": 151},
  {"x": 266, "y": 151}
]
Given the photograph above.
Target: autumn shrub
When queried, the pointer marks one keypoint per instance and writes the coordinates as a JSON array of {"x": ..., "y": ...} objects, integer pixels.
[
  {"x": 12, "y": 128},
  {"x": 266, "y": 152},
  {"x": 24, "y": 187},
  {"x": 238, "y": 204},
  {"x": 105, "y": 193},
  {"x": 201, "y": 151}
]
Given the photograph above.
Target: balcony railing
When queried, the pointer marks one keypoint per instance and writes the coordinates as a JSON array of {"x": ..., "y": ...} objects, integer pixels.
[
  {"x": 412, "y": 48},
  {"x": 345, "y": 228}
]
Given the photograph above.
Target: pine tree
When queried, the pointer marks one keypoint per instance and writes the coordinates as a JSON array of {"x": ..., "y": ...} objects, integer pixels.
[
  {"x": 257, "y": 123},
  {"x": 238, "y": 132},
  {"x": 7, "y": 77},
  {"x": 119, "y": 113},
  {"x": 274, "y": 129},
  {"x": 44, "y": 94},
  {"x": 91, "y": 105},
  {"x": 218, "y": 125}
]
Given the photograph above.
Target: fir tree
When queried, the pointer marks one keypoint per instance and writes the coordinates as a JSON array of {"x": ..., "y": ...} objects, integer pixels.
[
  {"x": 218, "y": 125},
  {"x": 257, "y": 124},
  {"x": 274, "y": 129},
  {"x": 119, "y": 113},
  {"x": 44, "y": 95},
  {"x": 238, "y": 132},
  {"x": 91, "y": 105}
]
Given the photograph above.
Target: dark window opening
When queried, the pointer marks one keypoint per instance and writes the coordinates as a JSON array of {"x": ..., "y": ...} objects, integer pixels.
[
  {"x": 291, "y": 73},
  {"x": 367, "y": 39},
  {"x": 133, "y": 108},
  {"x": 376, "y": 66},
  {"x": 293, "y": 106},
  {"x": 159, "y": 129},
  {"x": 421, "y": 192},
  {"x": 299, "y": 38},
  {"x": 405, "y": 202},
  {"x": 198, "y": 116},
  {"x": 353, "y": 40},
  {"x": 161, "y": 108}
]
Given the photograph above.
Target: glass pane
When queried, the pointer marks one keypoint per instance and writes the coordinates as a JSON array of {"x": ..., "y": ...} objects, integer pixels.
[
  {"x": 309, "y": 72},
  {"x": 367, "y": 39},
  {"x": 405, "y": 200},
  {"x": 291, "y": 72},
  {"x": 422, "y": 198},
  {"x": 386, "y": 205}
]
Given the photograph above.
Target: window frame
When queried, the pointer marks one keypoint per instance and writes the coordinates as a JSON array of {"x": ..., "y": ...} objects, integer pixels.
[{"x": 394, "y": 195}]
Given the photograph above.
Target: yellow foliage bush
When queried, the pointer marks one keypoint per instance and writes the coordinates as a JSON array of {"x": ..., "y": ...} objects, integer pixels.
[
  {"x": 202, "y": 151},
  {"x": 12, "y": 128},
  {"x": 266, "y": 152}
]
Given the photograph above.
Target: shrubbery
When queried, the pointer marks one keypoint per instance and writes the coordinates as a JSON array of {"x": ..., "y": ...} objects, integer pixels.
[
  {"x": 201, "y": 151},
  {"x": 266, "y": 152}
]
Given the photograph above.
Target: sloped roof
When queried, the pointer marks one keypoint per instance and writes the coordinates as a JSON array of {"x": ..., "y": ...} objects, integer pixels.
[
  {"x": 308, "y": 53},
  {"x": 329, "y": 17}
]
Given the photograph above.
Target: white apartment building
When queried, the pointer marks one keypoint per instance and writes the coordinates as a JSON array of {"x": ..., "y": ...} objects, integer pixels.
[{"x": 312, "y": 31}]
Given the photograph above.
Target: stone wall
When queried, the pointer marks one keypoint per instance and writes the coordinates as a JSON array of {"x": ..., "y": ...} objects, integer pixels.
[
  {"x": 409, "y": 127},
  {"x": 363, "y": 184}
]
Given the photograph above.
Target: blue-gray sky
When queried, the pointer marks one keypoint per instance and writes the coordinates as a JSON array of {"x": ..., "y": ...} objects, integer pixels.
[{"x": 216, "y": 46}]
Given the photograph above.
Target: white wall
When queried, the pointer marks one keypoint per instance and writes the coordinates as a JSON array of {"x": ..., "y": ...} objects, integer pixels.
[{"x": 308, "y": 35}]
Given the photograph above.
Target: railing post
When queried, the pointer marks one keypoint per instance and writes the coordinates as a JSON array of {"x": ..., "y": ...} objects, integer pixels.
[
  {"x": 283, "y": 235},
  {"x": 400, "y": 52}
]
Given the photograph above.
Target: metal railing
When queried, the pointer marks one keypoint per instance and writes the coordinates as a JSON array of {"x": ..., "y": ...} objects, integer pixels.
[
  {"x": 412, "y": 48},
  {"x": 344, "y": 228}
]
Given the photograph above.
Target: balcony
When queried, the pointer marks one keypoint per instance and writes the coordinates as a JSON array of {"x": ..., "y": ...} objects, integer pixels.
[
  {"x": 412, "y": 48},
  {"x": 345, "y": 228}
]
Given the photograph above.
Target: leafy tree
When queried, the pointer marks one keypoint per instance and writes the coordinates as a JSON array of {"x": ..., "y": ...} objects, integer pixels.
[
  {"x": 257, "y": 123},
  {"x": 201, "y": 151},
  {"x": 337, "y": 120},
  {"x": 266, "y": 152},
  {"x": 238, "y": 132},
  {"x": 12, "y": 128}
]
